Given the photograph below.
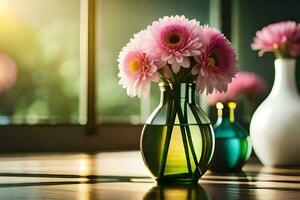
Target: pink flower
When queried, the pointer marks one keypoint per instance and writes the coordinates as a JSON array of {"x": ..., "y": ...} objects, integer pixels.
[
  {"x": 8, "y": 72},
  {"x": 174, "y": 40},
  {"x": 136, "y": 69},
  {"x": 283, "y": 38},
  {"x": 247, "y": 83},
  {"x": 217, "y": 63}
]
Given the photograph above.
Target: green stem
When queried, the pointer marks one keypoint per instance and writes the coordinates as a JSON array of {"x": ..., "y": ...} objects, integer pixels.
[
  {"x": 173, "y": 108},
  {"x": 189, "y": 135},
  {"x": 204, "y": 137},
  {"x": 190, "y": 140},
  {"x": 170, "y": 121},
  {"x": 184, "y": 140}
]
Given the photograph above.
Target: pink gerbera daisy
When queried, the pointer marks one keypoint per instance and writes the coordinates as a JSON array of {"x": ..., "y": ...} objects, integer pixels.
[
  {"x": 245, "y": 83},
  {"x": 8, "y": 72},
  {"x": 282, "y": 38},
  {"x": 217, "y": 63},
  {"x": 136, "y": 69},
  {"x": 173, "y": 40}
]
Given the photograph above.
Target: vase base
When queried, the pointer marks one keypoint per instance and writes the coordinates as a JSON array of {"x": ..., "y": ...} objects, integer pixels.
[
  {"x": 179, "y": 180},
  {"x": 176, "y": 182}
]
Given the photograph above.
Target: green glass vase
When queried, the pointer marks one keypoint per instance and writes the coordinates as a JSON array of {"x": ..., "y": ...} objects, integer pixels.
[
  {"x": 233, "y": 146},
  {"x": 177, "y": 141}
]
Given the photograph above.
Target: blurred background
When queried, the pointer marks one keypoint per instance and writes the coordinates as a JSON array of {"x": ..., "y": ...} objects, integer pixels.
[{"x": 43, "y": 104}]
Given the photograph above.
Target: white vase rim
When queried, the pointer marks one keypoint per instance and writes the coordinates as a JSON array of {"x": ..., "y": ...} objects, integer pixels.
[
  {"x": 285, "y": 59},
  {"x": 287, "y": 62}
]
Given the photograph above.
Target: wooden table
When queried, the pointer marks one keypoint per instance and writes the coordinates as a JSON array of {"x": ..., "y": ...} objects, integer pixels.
[{"x": 122, "y": 175}]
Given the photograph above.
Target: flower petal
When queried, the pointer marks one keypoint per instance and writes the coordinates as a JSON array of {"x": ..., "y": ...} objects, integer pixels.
[
  {"x": 175, "y": 67},
  {"x": 186, "y": 62}
]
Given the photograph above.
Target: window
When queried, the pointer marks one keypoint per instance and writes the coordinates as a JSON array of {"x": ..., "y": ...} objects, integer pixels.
[
  {"x": 42, "y": 38},
  {"x": 57, "y": 46}
]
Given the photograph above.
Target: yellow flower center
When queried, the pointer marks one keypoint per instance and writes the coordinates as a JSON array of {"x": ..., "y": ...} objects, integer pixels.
[
  {"x": 275, "y": 46},
  {"x": 211, "y": 62},
  {"x": 134, "y": 65}
]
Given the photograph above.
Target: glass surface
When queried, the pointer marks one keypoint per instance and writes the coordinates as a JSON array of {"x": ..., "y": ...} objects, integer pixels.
[
  {"x": 116, "y": 22},
  {"x": 42, "y": 38},
  {"x": 180, "y": 165},
  {"x": 177, "y": 141},
  {"x": 233, "y": 146}
]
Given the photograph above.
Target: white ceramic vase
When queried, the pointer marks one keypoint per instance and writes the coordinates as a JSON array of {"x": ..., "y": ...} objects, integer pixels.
[{"x": 275, "y": 125}]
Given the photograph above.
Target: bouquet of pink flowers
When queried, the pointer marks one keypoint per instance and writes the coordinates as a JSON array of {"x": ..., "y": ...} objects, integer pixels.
[
  {"x": 282, "y": 38},
  {"x": 177, "y": 50}
]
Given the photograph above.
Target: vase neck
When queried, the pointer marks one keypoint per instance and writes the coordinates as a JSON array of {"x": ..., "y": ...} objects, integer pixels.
[
  {"x": 177, "y": 106},
  {"x": 183, "y": 92},
  {"x": 285, "y": 81}
]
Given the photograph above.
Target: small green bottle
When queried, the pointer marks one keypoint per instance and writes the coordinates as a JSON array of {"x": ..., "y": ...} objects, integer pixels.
[{"x": 232, "y": 142}]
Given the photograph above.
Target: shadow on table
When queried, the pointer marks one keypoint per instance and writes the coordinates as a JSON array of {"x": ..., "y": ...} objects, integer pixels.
[
  {"x": 44, "y": 179},
  {"x": 191, "y": 192}
]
